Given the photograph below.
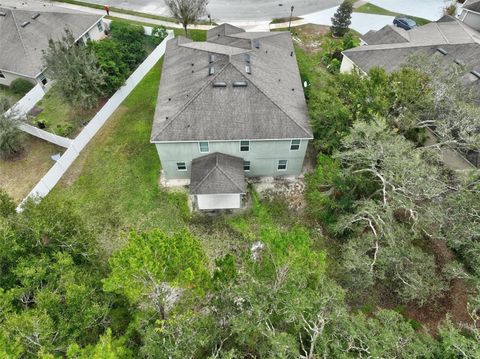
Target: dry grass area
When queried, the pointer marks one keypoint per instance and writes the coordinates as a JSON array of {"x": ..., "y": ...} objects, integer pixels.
[
  {"x": 310, "y": 37},
  {"x": 19, "y": 176}
]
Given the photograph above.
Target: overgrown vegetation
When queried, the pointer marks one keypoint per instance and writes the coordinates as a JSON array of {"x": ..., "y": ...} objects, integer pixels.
[{"x": 11, "y": 137}]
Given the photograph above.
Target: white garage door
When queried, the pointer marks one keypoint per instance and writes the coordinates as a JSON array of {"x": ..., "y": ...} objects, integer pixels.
[{"x": 219, "y": 201}]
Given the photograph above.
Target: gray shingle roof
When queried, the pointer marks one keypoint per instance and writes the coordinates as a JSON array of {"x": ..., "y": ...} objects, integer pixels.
[
  {"x": 270, "y": 106},
  {"x": 473, "y": 5},
  {"x": 21, "y": 47},
  {"x": 217, "y": 173},
  {"x": 387, "y": 35}
]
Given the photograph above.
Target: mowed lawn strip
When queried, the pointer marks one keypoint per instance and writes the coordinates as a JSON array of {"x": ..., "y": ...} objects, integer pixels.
[
  {"x": 114, "y": 182},
  {"x": 377, "y": 10}
]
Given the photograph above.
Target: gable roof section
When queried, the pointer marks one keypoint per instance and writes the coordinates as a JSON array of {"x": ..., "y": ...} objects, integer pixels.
[
  {"x": 21, "y": 47},
  {"x": 386, "y": 35},
  {"x": 270, "y": 106},
  {"x": 473, "y": 6},
  {"x": 217, "y": 173}
]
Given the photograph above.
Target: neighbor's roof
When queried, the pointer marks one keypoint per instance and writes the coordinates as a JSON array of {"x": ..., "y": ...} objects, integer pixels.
[
  {"x": 269, "y": 104},
  {"x": 449, "y": 40},
  {"x": 387, "y": 35},
  {"x": 473, "y": 5},
  {"x": 21, "y": 44},
  {"x": 217, "y": 173}
]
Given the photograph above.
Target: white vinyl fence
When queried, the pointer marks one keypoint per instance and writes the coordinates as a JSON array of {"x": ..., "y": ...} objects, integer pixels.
[
  {"x": 52, "y": 177},
  {"x": 27, "y": 102}
]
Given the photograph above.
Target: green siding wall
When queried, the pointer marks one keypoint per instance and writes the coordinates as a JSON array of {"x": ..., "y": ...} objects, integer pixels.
[{"x": 263, "y": 157}]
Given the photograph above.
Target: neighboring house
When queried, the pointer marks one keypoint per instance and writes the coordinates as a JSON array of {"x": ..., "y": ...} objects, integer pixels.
[
  {"x": 470, "y": 14},
  {"x": 236, "y": 99},
  {"x": 24, "y": 34},
  {"x": 449, "y": 40}
]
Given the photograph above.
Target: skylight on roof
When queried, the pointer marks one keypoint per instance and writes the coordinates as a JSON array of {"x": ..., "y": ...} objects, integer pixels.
[
  {"x": 34, "y": 16},
  {"x": 211, "y": 70},
  {"x": 248, "y": 69},
  {"x": 475, "y": 73},
  {"x": 3, "y": 13},
  {"x": 25, "y": 23},
  {"x": 247, "y": 58},
  {"x": 219, "y": 84},
  {"x": 211, "y": 58},
  {"x": 256, "y": 43},
  {"x": 240, "y": 84}
]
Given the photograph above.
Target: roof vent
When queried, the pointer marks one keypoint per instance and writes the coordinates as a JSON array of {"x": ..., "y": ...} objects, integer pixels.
[
  {"x": 256, "y": 43},
  {"x": 34, "y": 16},
  {"x": 211, "y": 70},
  {"x": 3, "y": 13},
  {"x": 248, "y": 69},
  {"x": 25, "y": 23},
  {"x": 442, "y": 51},
  {"x": 211, "y": 58},
  {"x": 247, "y": 58},
  {"x": 220, "y": 84},
  {"x": 475, "y": 73},
  {"x": 240, "y": 84},
  {"x": 458, "y": 62}
]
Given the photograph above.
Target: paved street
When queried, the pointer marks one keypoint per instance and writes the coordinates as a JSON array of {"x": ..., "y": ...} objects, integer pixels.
[
  {"x": 233, "y": 9},
  {"x": 428, "y": 9}
]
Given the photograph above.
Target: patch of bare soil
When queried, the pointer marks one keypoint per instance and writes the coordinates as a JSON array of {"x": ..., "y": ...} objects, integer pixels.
[
  {"x": 309, "y": 37},
  {"x": 454, "y": 301},
  {"x": 291, "y": 191}
]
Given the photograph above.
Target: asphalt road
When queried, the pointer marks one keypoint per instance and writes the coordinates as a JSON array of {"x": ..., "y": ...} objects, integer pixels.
[{"x": 236, "y": 10}]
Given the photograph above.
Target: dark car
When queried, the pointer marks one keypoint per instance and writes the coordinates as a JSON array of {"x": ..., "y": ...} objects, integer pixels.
[{"x": 404, "y": 23}]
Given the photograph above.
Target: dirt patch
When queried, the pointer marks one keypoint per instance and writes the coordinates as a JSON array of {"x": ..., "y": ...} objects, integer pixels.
[
  {"x": 291, "y": 191},
  {"x": 18, "y": 176},
  {"x": 310, "y": 37}
]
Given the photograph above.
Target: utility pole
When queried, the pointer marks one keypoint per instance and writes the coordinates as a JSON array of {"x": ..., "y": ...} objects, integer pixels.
[{"x": 291, "y": 14}]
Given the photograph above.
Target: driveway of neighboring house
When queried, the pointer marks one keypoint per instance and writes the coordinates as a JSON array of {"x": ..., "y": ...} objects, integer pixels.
[
  {"x": 360, "y": 22},
  {"x": 427, "y": 9}
]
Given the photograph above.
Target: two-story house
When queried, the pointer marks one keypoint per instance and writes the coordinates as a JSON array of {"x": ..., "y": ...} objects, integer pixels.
[
  {"x": 25, "y": 30},
  {"x": 236, "y": 101}
]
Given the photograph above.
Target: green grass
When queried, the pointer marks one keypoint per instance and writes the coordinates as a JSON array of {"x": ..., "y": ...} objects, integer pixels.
[
  {"x": 114, "y": 183},
  {"x": 281, "y": 20},
  {"x": 195, "y": 35},
  {"x": 11, "y": 97},
  {"x": 377, "y": 10},
  {"x": 59, "y": 116}
]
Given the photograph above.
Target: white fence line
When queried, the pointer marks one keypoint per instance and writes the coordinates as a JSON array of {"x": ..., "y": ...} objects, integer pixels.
[
  {"x": 27, "y": 102},
  {"x": 46, "y": 184},
  {"x": 45, "y": 135}
]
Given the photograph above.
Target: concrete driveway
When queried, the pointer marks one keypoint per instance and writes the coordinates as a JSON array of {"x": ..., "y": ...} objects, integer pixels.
[{"x": 226, "y": 10}]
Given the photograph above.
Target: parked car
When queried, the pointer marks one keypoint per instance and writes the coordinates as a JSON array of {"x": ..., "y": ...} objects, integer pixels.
[{"x": 404, "y": 23}]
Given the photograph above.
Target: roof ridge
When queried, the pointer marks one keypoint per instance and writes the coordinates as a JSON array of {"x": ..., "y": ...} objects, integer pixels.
[
  {"x": 19, "y": 34},
  {"x": 200, "y": 90},
  {"x": 230, "y": 179},
  {"x": 441, "y": 33},
  {"x": 277, "y": 105},
  {"x": 204, "y": 178}
]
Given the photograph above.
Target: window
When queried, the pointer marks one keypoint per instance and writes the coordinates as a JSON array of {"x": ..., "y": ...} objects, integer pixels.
[
  {"x": 204, "y": 147},
  {"x": 100, "y": 26},
  {"x": 42, "y": 79},
  {"x": 2, "y": 76},
  {"x": 87, "y": 37},
  {"x": 282, "y": 165},
  {"x": 244, "y": 146},
  {"x": 246, "y": 166},
  {"x": 181, "y": 166},
  {"x": 295, "y": 145}
]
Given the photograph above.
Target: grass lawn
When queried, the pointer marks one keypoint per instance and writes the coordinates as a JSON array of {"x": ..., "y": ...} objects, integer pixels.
[
  {"x": 11, "y": 97},
  {"x": 18, "y": 177},
  {"x": 377, "y": 10},
  {"x": 195, "y": 35},
  {"x": 60, "y": 117},
  {"x": 114, "y": 182}
]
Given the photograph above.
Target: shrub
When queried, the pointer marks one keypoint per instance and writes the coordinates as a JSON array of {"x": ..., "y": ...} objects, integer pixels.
[
  {"x": 11, "y": 137},
  {"x": 158, "y": 34},
  {"x": 131, "y": 39},
  {"x": 21, "y": 86},
  {"x": 7, "y": 206}
]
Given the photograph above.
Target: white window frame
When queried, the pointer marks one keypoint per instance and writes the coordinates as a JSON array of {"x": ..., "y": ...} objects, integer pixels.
[
  {"x": 179, "y": 164},
  {"x": 247, "y": 164},
  {"x": 200, "y": 147},
  {"x": 278, "y": 165},
  {"x": 43, "y": 80},
  {"x": 2, "y": 75},
  {"x": 242, "y": 146},
  {"x": 100, "y": 26},
  {"x": 299, "y": 144},
  {"x": 87, "y": 37}
]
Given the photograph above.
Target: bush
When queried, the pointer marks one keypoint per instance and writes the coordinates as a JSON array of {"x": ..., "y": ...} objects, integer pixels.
[
  {"x": 21, "y": 86},
  {"x": 7, "y": 206},
  {"x": 158, "y": 34},
  {"x": 131, "y": 39},
  {"x": 11, "y": 137}
]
